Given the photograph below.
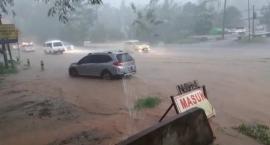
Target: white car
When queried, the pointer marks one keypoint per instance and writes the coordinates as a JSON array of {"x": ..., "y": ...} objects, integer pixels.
[
  {"x": 137, "y": 46},
  {"x": 142, "y": 48},
  {"x": 27, "y": 47},
  {"x": 54, "y": 47}
]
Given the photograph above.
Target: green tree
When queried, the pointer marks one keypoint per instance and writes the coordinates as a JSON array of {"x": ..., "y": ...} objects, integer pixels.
[
  {"x": 61, "y": 8},
  {"x": 203, "y": 19},
  {"x": 168, "y": 31},
  {"x": 196, "y": 19},
  {"x": 188, "y": 17},
  {"x": 80, "y": 22},
  {"x": 233, "y": 17},
  {"x": 265, "y": 19},
  {"x": 94, "y": 23},
  {"x": 146, "y": 21},
  {"x": 35, "y": 26},
  {"x": 170, "y": 21}
]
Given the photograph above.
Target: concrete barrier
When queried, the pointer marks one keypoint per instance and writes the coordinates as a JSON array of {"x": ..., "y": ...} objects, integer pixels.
[{"x": 189, "y": 128}]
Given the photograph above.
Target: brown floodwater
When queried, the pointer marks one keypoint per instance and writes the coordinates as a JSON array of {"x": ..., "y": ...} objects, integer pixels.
[{"x": 41, "y": 107}]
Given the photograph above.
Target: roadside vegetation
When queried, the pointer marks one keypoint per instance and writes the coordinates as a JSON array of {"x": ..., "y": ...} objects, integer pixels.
[
  {"x": 259, "y": 132},
  {"x": 147, "y": 102},
  {"x": 9, "y": 70},
  {"x": 253, "y": 40}
]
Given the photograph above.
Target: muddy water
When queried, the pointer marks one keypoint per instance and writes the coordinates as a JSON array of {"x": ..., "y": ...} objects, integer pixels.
[{"x": 237, "y": 79}]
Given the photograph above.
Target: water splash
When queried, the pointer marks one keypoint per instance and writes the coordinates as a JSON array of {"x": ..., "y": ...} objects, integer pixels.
[{"x": 128, "y": 101}]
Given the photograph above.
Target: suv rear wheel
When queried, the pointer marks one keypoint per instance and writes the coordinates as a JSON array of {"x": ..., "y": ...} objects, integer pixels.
[{"x": 106, "y": 75}]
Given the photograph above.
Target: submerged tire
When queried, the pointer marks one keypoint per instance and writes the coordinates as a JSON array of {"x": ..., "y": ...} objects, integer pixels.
[
  {"x": 73, "y": 72},
  {"x": 106, "y": 75}
]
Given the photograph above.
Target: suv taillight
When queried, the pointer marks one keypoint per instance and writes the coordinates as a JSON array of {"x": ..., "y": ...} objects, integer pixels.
[{"x": 117, "y": 63}]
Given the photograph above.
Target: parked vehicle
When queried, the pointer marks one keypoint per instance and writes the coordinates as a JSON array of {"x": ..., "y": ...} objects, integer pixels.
[
  {"x": 54, "y": 47},
  {"x": 106, "y": 65}
]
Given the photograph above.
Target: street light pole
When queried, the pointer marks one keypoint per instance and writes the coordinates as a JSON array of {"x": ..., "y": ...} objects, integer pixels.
[
  {"x": 249, "y": 38},
  {"x": 224, "y": 17},
  {"x": 253, "y": 21}
]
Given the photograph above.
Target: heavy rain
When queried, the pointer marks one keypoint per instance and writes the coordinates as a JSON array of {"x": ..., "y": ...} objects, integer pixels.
[{"x": 96, "y": 72}]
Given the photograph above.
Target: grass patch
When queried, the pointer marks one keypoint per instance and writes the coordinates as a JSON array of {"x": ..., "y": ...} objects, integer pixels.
[
  {"x": 252, "y": 40},
  {"x": 259, "y": 132},
  {"x": 148, "y": 102},
  {"x": 9, "y": 70}
]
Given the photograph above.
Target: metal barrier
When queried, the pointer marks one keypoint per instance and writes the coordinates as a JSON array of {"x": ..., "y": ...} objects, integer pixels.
[{"x": 189, "y": 128}]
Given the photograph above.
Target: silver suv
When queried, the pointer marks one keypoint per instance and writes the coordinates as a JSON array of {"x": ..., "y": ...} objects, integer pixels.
[{"x": 106, "y": 65}]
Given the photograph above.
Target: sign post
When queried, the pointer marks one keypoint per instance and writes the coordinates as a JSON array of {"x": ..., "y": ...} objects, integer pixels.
[
  {"x": 8, "y": 34},
  {"x": 195, "y": 98},
  {"x": 190, "y": 95}
]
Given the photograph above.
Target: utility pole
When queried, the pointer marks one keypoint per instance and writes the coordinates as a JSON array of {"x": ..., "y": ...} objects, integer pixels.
[
  {"x": 253, "y": 21},
  {"x": 249, "y": 38},
  {"x": 224, "y": 21}
]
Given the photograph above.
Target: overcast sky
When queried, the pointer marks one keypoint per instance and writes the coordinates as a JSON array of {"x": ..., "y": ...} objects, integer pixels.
[
  {"x": 239, "y": 3},
  {"x": 116, "y": 3}
]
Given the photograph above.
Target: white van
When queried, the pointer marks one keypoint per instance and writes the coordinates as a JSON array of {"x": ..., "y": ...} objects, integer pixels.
[{"x": 54, "y": 47}]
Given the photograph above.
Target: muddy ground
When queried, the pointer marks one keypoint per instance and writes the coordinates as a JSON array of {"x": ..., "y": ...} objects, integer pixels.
[{"x": 50, "y": 108}]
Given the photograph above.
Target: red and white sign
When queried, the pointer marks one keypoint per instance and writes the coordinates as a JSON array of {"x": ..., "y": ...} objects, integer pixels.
[{"x": 194, "y": 99}]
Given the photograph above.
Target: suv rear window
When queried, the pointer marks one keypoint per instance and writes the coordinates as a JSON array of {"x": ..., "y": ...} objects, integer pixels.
[
  {"x": 95, "y": 59},
  {"x": 100, "y": 58},
  {"x": 125, "y": 57},
  {"x": 104, "y": 59}
]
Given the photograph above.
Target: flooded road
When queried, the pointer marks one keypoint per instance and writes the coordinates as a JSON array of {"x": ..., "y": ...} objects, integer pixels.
[{"x": 236, "y": 77}]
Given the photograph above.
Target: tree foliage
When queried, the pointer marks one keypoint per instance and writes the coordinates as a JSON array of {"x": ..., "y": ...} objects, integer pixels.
[
  {"x": 91, "y": 23},
  {"x": 170, "y": 21},
  {"x": 80, "y": 23},
  {"x": 233, "y": 17},
  {"x": 60, "y": 8},
  {"x": 146, "y": 20},
  {"x": 265, "y": 19},
  {"x": 166, "y": 20}
]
